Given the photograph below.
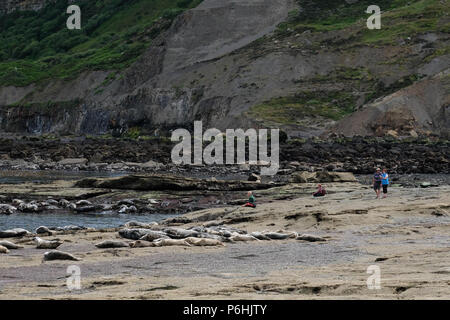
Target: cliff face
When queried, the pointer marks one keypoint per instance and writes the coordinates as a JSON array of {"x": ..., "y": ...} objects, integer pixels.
[{"x": 228, "y": 64}]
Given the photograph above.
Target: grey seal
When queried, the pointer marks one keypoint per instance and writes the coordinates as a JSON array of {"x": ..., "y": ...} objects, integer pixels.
[
  {"x": 3, "y": 249},
  {"x": 279, "y": 236},
  {"x": 112, "y": 244},
  {"x": 138, "y": 224},
  {"x": 242, "y": 237},
  {"x": 260, "y": 236},
  {"x": 171, "y": 242},
  {"x": 178, "y": 233},
  {"x": 141, "y": 244},
  {"x": 203, "y": 242},
  {"x": 154, "y": 235},
  {"x": 10, "y": 245},
  {"x": 11, "y": 233},
  {"x": 59, "y": 255},
  {"x": 7, "y": 209},
  {"x": 43, "y": 230},
  {"x": 47, "y": 244},
  {"x": 133, "y": 234},
  {"x": 311, "y": 238}
]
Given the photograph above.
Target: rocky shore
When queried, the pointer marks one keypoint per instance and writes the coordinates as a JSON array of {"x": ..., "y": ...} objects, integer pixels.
[{"x": 357, "y": 155}]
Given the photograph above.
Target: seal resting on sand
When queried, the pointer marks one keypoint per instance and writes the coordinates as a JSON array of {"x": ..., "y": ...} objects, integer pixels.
[
  {"x": 171, "y": 242},
  {"x": 59, "y": 255},
  {"x": 138, "y": 224},
  {"x": 112, "y": 244},
  {"x": 311, "y": 238},
  {"x": 17, "y": 232},
  {"x": 259, "y": 236},
  {"x": 203, "y": 242},
  {"x": 154, "y": 235},
  {"x": 242, "y": 237},
  {"x": 178, "y": 233},
  {"x": 141, "y": 244},
  {"x": 3, "y": 249},
  {"x": 42, "y": 230},
  {"x": 10, "y": 245},
  {"x": 47, "y": 244},
  {"x": 133, "y": 234},
  {"x": 280, "y": 236}
]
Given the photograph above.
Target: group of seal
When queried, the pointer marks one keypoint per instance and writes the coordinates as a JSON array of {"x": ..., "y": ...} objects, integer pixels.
[
  {"x": 80, "y": 206},
  {"x": 154, "y": 235}
]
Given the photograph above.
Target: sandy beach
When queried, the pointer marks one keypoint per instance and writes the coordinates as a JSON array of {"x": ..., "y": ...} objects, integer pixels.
[{"x": 406, "y": 235}]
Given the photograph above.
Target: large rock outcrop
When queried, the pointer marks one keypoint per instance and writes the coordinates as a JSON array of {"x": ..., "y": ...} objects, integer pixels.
[{"x": 169, "y": 182}]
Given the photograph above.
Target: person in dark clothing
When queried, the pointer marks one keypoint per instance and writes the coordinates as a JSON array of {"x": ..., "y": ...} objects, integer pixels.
[
  {"x": 251, "y": 200},
  {"x": 320, "y": 191},
  {"x": 377, "y": 178}
]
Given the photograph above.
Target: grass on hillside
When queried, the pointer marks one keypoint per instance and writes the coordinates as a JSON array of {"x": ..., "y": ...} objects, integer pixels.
[
  {"x": 287, "y": 110},
  {"x": 399, "y": 19},
  {"x": 35, "y": 46}
]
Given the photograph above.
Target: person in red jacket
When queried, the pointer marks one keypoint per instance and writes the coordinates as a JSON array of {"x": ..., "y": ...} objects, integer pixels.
[
  {"x": 251, "y": 200},
  {"x": 320, "y": 191}
]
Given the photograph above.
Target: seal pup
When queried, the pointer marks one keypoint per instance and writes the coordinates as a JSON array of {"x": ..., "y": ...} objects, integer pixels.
[
  {"x": 47, "y": 244},
  {"x": 141, "y": 244},
  {"x": 3, "y": 249},
  {"x": 171, "y": 242},
  {"x": 112, "y": 244},
  {"x": 310, "y": 237},
  {"x": 203, "y": 242},
  {"x": 59, "y": 255},
  {"x": 10, "y": 245}
]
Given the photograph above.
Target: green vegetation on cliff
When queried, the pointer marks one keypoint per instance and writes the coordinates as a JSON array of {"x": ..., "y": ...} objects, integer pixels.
[
  {"x": 402, "y": 22},
  {"x": 37, "y": 45},
  {"x": 399, "y": 17}
]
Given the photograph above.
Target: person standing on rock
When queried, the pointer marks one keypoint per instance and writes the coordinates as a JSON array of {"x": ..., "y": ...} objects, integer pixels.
[
  {"x": 377, "y": 178},
  {"x": 251, "y": 200},
  {"x": 385, "y": 182}
]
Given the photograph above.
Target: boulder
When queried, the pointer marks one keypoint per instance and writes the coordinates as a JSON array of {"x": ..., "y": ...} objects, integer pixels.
[{"x": 169, "y": 182}]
